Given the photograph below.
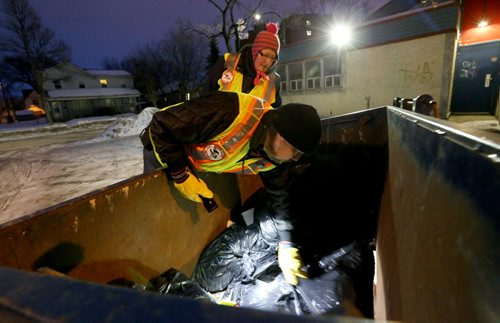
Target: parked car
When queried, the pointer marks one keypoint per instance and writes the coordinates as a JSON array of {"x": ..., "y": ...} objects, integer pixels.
[
  {"x": 32, "y": 113},
  {"x": 25, "y": 115}
]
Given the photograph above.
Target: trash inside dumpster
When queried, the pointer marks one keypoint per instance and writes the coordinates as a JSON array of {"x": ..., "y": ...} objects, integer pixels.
[{"x": 421, "y": 191}]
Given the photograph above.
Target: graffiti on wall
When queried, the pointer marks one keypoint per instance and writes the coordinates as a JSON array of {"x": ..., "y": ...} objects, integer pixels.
[
  {"x": 468, "y": 69},
  {"x": 422, "y": 74}
]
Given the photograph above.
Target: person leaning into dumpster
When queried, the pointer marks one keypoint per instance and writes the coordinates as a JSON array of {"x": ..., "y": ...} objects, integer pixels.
[
  {"x": 235, "y": 133},
  {"x": 251, "y": 69}
]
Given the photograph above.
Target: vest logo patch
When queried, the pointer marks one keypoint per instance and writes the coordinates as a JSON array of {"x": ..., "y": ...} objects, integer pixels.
[
  {"x": 214, "y": 152},
  {"x": 227, "y": 77}
]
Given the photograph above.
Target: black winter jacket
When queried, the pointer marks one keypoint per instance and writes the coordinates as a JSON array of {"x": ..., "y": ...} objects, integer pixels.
[
  {"x": 200, "y": 119},
  {"x": 245, "y": 67}
]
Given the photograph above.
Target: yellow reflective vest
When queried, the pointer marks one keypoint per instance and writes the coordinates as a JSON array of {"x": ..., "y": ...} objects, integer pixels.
[
  {"x": 226, "y": 152},
  {"x": 232, "y": 80}
]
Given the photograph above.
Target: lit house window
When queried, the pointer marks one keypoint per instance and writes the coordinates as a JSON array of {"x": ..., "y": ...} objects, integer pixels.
[
  {"x": 309, "y": 33},
  {"x": 104, "y": 83}
]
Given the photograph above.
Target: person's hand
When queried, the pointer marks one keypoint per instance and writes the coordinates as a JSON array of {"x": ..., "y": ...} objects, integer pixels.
[
  {"x": 191, "y": 187},
  {"x": 290, "y": 262}
]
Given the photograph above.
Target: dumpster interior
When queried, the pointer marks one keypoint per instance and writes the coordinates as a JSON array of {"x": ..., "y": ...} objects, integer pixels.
[{"x": 419, "y": 191}]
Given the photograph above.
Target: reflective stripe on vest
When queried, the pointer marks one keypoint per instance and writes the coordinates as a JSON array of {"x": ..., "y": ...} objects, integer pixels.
[
  {"x": 162, "y": 163},
  {"x": 225, "y": 152},
  {"x": 266, "y": 89}
]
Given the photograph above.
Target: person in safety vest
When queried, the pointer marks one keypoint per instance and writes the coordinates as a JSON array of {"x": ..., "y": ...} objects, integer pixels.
[
  {"x": 235, "y": 133},
  {"x": 251, "y": 69}
]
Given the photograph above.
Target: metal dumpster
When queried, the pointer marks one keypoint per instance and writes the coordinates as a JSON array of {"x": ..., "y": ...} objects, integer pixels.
[{"x": 426, "y": 189}]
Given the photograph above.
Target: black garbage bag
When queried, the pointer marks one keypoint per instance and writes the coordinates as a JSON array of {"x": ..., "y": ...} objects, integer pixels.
[
  {"x": 333, "y": 291},
  {"x": 238, "y": 255},
  {"x": 269, "y": 295},
  {"x": 171, "y": 282},
  {"x": 326, "y": 294},
  {"x": 357, "y": 261},
  {"x": 174, "y": 282},
  {"x": 342, "y": 279}
]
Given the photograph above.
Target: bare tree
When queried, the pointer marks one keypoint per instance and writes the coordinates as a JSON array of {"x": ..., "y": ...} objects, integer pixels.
[
  {"x": 6, "y": 103},
  {"x": 111, "y": 63},
  {"x": 29, "y": 48},
  {"x": 184, "y": 52},
  {"x": 214, "y": 54},
  {"x": 233, "y": 17},
  {"x": 145, "y": 65}
]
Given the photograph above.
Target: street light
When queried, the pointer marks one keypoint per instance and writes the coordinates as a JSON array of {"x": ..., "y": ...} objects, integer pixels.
[
  {"x": 341, "y": 35},
  {"x": 483, "y": 23},
  {"x": 258, "y": 16}
]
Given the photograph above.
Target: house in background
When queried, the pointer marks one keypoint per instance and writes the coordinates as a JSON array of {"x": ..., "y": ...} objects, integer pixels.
[
  {"x": 404, "y": 49},
  {"x": 31, "y": 98},
  {"x": 73, "y": 92}
]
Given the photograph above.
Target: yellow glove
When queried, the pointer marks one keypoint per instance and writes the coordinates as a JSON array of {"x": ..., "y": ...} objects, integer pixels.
[
  {"x": 191, "y": 187},
  {"x": 290, "y": 263}
]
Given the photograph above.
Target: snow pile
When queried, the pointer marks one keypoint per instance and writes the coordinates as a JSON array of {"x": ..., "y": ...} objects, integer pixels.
[
  {"x": 124, "y": 125},
  {"x": 129, "y": 124}
]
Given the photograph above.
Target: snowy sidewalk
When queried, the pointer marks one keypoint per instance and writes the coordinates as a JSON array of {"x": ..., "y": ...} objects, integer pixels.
[
  {"x": 36, "y": 128},
  {"x": 37, "y": 178}
]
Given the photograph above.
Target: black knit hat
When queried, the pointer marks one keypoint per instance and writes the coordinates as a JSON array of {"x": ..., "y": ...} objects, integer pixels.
[{"x": 300, "y": 125}]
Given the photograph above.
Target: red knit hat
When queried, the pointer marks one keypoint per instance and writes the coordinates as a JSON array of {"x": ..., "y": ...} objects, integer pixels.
[{"x": 267, "y": 39}]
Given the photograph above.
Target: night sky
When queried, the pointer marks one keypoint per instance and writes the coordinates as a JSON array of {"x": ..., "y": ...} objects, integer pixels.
[{"x": 96, "y": 29}]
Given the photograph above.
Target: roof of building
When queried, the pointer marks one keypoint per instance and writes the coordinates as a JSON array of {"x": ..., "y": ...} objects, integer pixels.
[
  {"x": 93, "y": 72},
  {"x": 401, "y": 26},
  {"x": 394, "y": 7},
  {"x": 92, "y": 93},
  {"x": 108, "y": 72}
]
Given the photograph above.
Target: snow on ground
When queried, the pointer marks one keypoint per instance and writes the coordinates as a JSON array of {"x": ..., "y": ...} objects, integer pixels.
[
  {"x": 36, "y": 178},
  {"x": 36, "y": 128}
]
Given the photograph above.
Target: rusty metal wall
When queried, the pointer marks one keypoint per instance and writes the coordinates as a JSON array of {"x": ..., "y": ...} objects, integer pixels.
[{"x": 137, "y": 228}]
